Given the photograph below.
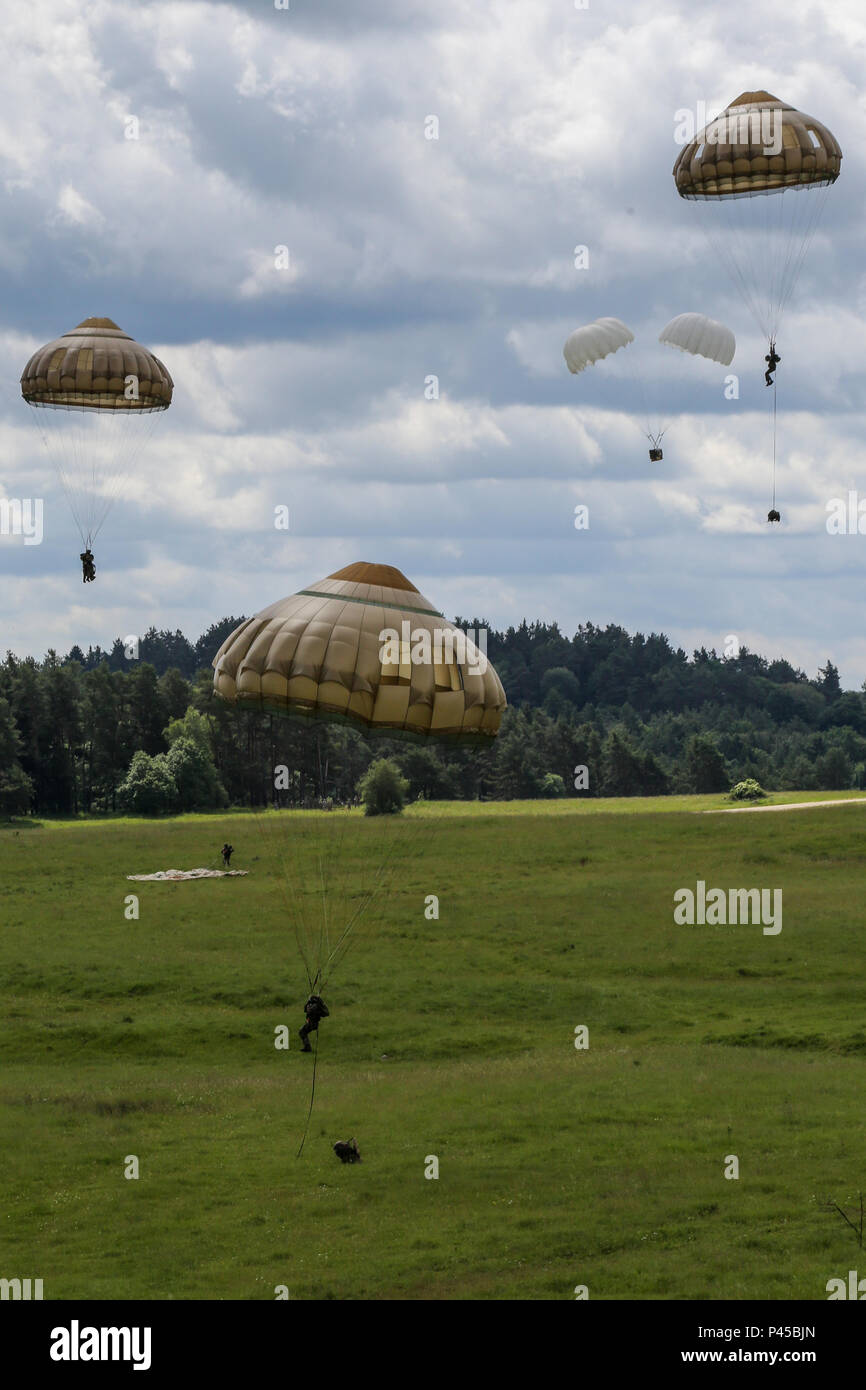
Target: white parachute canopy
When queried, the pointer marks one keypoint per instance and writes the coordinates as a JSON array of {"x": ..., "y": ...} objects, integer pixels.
[
  {"x": 595, "y": 341},
  {"x": 700, "y": 336},
  {"x": 645, "y": 371}
]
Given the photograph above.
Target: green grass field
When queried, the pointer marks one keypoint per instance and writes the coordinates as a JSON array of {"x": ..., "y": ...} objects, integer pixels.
[{"x": 452, "y": 1038}]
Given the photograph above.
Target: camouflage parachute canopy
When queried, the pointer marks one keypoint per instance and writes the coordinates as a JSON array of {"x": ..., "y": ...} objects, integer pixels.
[
  {"x": 88, "y": 368},
  {"x": 758, "y": 144},
  {"x": 366, "y": 647}
]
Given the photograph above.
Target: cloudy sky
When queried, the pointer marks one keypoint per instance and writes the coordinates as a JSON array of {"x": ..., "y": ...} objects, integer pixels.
[{"x": 409, "y": 257}]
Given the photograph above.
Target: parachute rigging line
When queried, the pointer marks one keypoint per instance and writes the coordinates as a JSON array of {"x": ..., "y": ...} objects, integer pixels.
[
  {"x": 312, "y": 1096},
  {"x": 319, "y": 980},
  {"x": 774, "y": 438},
  {"x": 324, "y": 936},
  {"x": 318, "y": 970}
]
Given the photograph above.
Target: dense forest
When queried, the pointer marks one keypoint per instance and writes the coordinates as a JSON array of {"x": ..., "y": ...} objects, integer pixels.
[{"x": 600, "y": 714}]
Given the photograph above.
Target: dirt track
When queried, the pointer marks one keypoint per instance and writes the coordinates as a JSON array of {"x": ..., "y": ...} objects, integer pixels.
[{"x": 788, "y": 806}]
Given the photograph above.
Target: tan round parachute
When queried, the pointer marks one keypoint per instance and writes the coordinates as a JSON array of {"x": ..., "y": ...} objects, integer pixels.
[
  {"x": 760, "y": 171},
  {"x": 365, "y": 646},
  {"x": 96, "y": 366},
  {"x": 758, "y": 144},
  {"x": 95, "y": 395}
]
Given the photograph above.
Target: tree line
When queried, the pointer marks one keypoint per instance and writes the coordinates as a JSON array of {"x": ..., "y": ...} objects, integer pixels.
[{"x": 603, "y": 713}]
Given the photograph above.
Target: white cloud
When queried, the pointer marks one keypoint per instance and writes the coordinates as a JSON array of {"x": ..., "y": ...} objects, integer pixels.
[{"x": 74, "y": 208}]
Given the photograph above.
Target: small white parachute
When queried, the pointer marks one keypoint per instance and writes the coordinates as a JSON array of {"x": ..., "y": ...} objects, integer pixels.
[
  {"x": 700, "y": 336},
  {"x": 595, "y": 341},
  {"x": 180, "y": 875}
]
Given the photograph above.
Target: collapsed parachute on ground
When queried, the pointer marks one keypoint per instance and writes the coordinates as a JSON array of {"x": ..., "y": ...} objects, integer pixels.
[
  {"x": 95, "y": 395},
  {"x": 323, "y": 653},
  {"x": 184, "y": 875}
]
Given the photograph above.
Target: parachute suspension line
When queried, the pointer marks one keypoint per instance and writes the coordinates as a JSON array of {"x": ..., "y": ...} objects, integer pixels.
[
  {"x": 404, "y": 837},
  {"x": 816, "y": 209},
  {"x": 636, "y": 378},
  {"x": 634, "y": 368},
  {"x": 649, "y": 419},
  {"x": 727, "y": 243},
  {"x": 335, "y": 873},
  {"x": 774, "y": 439},
  {"x": 764, "y": 255},
  {"x": 272, "y": 843},
  {"x": 324, "y": 934},
  {"x": 318, "y": 833},
  {"x": 312, "y": 1096},
  {"x": 293, "y": 890},
  {"x": 316, "y": 882},
  {"x": 92, "y": 453},
  {"x": 806, "y": 207},
  {"x": 356, "y": 915},
  {"x": 55, "y": 459},
  {"x": 320, "y": 979},
  {"x": 326, "y": 835},
  {"x": 126, "y": 441},
  {"x": 319, "y": 761},
  {"x": 295, "y": 909}
]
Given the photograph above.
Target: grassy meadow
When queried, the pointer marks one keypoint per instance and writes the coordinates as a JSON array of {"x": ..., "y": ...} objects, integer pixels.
[{"x": 451, "y": 1038}]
